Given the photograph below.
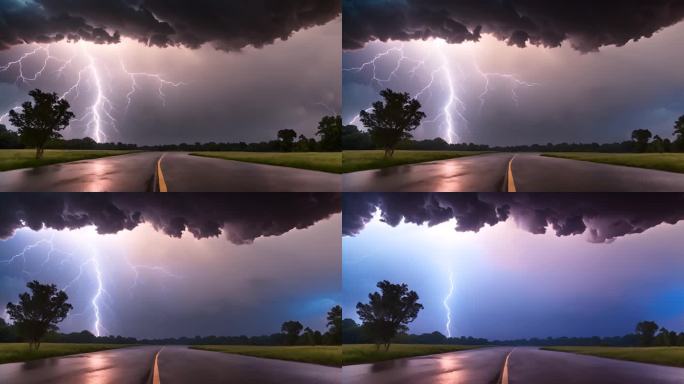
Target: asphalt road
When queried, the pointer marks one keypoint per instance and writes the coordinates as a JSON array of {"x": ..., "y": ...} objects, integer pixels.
[
  {"x": 127, "y": 365},
  {"x": 479, "y": 366},
  {"x": 175, "y": 365},
  {"x": 531, "y": 173},
  {"x": 182, "y": 365},
  {"x": 482, "y": 173},
  {"x": 182, "y": 173},
  {"x": 125, "y": 173},
  {"x": 185, "y": 173},
  {"x": 533, "y": 366},
  {"x": 506, "y": 365}
]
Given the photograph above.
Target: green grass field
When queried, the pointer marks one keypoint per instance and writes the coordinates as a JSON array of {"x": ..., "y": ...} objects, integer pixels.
[
  {"x": 26, "y": 158},
  {"x": 672, "y": 356},
  {"x": 366, "y": 353},
  {"x": 316, "y": 161},
  {"x": 354, "y": 161},
  {"x": 672, "y": 162},
  {"x": 323, "y": 355},
  {"x": 16, "y": 352}
]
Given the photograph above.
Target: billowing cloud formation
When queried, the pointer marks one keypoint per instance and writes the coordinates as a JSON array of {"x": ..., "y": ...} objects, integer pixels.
[
  {"x": 240, "y": 217},
  {"x": 586, "y": 24},
  {"x": 602, "y": 217},
  {"x": 227, "y": 24}
]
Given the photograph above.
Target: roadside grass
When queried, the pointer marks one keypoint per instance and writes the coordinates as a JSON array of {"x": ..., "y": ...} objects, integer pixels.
[
  {"x": 366, "y": 353},
  {"x": 322, "y": 355},
  {"x": 25, "y": 158},
  {"x": 671, "y": 162},
  {"x": 354, "y": 161},
  {"x": 671, "y": 356},
  {"x": 18, "y": 352},
  {"x": 330, "y": 162}
]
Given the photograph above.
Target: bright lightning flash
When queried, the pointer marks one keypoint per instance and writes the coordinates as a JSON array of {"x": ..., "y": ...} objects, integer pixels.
[
  {"x": 451, "y": 117},
  {"x": 98, "y": 116},
  {"x": 445, "y": 302},
  {"x": 91, "y": 264}
]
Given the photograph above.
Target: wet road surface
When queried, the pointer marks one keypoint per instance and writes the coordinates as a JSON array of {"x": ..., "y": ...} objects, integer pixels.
[
  {"x": 478, "y": 366},
  {"x": 182, "y": 365},
  {"x": 175, "y": 365},
  {"x": 185, "y": 173},
  {"x": 534, "y": 173},
  {"x": 525, "y": 365},
  {"x": 483, "y": 173},
  {"x": 182, "y": 173},
  {"x": 126, "y": 365},
  {"x": 534, "y": 366},
  {"x": 531, "y": 173},
  {"x": 125, "y": 173}
]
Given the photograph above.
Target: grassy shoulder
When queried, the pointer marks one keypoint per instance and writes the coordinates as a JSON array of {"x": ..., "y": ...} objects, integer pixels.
[
  {"x": 19, "y": 352},
  {"x": 671, "y": 356},
  {"x": 354, "y": 161},
  {"x": 26, "y": 158},
  {"x": 315, "y": 161},
  {"x": 367, "y": 353},
  {"x": 671, "y": 162},
  {"x": 323, "y": 355}
]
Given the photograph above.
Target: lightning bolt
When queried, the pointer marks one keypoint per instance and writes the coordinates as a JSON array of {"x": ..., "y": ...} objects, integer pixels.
[
  {"x": 451, "y": 117},
  {"x": 161, "y": 83},
  {"x": 91, "y": 264},
  {"x": 445, "y": 302},
  {"x": 99, "y": 114}
]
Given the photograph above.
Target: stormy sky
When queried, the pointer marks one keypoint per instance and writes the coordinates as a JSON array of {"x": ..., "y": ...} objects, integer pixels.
[
  {"x": 173, "y": 71},
  {"x": 269, "y": 264},
  {"x": 520, "y": 71},
  {"x": 512, "y": 278}
]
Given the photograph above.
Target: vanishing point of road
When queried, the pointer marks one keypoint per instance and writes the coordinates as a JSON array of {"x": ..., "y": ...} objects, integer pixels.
[
  {"x": 508, "y": 172},
  {"x": 167, "y": 172},
  {"x": 164, "y": 365},
  {"x": 507, "y": 365}
]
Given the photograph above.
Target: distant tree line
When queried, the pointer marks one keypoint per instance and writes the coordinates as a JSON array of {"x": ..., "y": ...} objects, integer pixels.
[
  {"x": 647, "y": 334},
  {"x": 643, "y": 142},
  {"x": 39, "y": 126}
]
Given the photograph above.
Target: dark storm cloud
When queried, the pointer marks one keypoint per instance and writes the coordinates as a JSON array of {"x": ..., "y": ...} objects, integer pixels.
[
  {"x": 603, "y": 217},
  {"x": 586, "y": 24},
  {"x": 241, "y": 217},
  {"x": 228, "y": 25}
]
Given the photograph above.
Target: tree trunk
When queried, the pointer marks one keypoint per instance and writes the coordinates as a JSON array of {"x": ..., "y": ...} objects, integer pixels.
[
  {"x": 387, "y": 347},
  {"x": 389, "y": 152},
  {"x": 39, "y": 153}
]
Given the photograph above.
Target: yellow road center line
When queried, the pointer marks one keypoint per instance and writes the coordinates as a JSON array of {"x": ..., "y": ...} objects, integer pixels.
[
  {"x": 504, "y": 374},
  {"x": 155, "y": 371},
  {"x": 511, "y": 180},
  {"x": 160, "y": 176}
]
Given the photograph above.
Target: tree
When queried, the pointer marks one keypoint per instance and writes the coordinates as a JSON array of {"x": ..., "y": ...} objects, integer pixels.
[
  {"x": 42, "y": 120},
  {"x": 287, "y": 137},
  {"x": 38, "y": 312},
  {"x": 392, "y": 121},
  {"x": 8, "y": 139},
  {"x": 335, "y": 324},
  {"x": 389, "y": 312},
  {"x": 646, "y": 331},
  {"x": 641, "y": 137},
  {"x": 291, "y": 330},
  {"x": 679, "y": 127},
  {"x": 330, "y": 130}
]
